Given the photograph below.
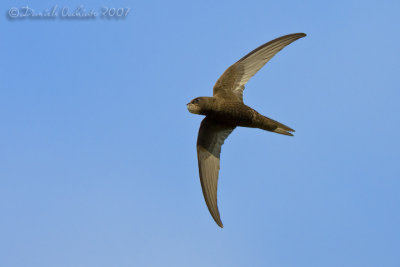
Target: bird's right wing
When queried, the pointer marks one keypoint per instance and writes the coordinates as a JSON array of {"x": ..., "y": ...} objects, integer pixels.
[
  {"x": 209, "y": 141},
  {"x": 231, "y": 83}
]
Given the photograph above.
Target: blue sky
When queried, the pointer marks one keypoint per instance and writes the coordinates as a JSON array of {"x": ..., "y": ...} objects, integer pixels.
[{"x": 98, "y": 163}]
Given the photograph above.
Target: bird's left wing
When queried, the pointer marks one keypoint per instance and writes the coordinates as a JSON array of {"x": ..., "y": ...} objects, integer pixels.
[
  {"x": 209, "y": 141},
  {"x": 231, "y": 83}
]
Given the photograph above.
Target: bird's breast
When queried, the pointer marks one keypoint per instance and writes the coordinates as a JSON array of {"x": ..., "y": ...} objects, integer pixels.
[{"x": 234, "y": 113}]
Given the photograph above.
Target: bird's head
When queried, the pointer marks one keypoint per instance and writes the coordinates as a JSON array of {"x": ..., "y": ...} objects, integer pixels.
[{"x": 199, "y": 105}]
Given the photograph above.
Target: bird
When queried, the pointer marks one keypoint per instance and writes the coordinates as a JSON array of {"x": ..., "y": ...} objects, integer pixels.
[{"x": 225, "y": 111}]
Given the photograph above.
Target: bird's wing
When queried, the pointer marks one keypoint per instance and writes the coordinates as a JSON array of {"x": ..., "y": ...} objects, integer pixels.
[
  {"x": 231, "y": 84},
  {"x": 209, "y": 141}
]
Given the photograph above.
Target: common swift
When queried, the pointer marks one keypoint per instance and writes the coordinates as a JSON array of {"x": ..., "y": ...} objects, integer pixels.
[{"x": 226, "y": 110}]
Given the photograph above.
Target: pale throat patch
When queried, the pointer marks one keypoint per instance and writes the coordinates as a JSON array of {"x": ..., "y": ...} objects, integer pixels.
[{"x": 193, "y": 108}]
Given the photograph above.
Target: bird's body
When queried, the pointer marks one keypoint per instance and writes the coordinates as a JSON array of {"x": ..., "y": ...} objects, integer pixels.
[
  {"x": 235, "y": 113},
  {"x": 225, "y": 111}
]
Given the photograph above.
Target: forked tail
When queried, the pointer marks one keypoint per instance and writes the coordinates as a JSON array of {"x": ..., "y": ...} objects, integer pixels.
[{"x": 273, "y": 126}]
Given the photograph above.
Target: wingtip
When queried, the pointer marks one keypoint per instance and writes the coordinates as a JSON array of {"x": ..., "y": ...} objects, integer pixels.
[
  {"x": 217, "y": 220},
  {"x": 300, "y": 34}
]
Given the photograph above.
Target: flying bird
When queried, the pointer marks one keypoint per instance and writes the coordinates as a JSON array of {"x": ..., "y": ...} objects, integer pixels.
[{"x": 225, "y": 111}]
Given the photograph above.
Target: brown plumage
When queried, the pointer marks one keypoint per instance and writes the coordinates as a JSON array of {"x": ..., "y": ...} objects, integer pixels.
[{"x": 226, "y": 110}]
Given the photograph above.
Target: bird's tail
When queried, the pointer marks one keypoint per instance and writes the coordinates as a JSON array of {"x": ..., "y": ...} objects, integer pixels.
[{"x": 271, "y": 125}]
